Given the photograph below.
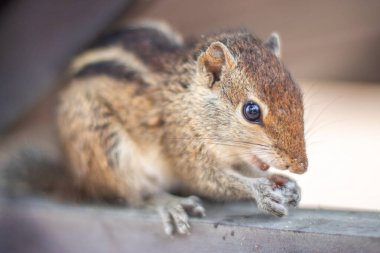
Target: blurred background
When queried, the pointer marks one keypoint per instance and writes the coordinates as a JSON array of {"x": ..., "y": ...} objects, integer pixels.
[{"x": 331, "y": 47}]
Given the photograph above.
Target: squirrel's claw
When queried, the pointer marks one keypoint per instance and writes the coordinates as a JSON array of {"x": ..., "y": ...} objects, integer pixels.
[
  {"x": 267, "y": 199},
  {"x": 193, "y": 206},
  {"x": 174, "y": 212},
  {"x": 291, "y": 192},
  {"x": 174, "y": 218}
]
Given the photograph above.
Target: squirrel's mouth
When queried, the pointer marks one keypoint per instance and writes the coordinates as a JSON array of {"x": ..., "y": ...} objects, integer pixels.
[
  {"x": 294, "y": 168},
  {"x": 259, "y": 163}
]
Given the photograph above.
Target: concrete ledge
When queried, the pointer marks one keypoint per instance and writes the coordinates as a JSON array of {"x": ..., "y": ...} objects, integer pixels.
[{"x": 31, "y": 225}]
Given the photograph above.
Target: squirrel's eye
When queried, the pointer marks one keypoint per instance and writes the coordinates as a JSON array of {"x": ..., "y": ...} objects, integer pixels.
[{"x": 251, "y": 111}]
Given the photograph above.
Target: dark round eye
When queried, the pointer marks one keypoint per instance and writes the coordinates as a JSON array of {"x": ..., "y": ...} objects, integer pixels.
[{"x": 251, "y": 111}]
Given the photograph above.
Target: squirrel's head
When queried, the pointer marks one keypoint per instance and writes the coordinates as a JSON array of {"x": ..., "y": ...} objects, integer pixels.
[{"x": 252, "y": 103}]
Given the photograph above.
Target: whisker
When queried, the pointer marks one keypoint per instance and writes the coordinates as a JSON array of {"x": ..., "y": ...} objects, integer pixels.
[
  {"x": 317, "y": 117},
  {"x": 222, "y": 141}
]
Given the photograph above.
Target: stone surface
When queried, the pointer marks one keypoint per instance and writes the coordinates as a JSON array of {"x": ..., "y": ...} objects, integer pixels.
[{"x": 32, "y": 225}]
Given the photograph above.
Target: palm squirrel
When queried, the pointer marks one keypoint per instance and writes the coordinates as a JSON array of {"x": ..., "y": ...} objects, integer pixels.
[{"x": 146, "y": 113}]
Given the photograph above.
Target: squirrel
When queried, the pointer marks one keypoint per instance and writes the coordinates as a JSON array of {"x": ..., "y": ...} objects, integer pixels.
[{"x": 146, "y": 113}]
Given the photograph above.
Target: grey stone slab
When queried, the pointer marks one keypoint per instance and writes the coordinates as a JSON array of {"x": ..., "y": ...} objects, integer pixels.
[{"x": 31, "y": 225}]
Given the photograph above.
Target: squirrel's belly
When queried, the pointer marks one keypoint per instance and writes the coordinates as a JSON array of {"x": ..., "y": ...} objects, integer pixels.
[{"x": 146, "y": 166}]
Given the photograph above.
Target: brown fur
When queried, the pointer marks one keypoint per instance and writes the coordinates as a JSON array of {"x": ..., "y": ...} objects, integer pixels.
[{"x": 178, "y": 123}]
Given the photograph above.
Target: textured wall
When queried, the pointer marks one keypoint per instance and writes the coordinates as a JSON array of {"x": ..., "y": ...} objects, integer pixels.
[
  {"x": 322, "y": 40},
  {"x": 326, "y": 39}
]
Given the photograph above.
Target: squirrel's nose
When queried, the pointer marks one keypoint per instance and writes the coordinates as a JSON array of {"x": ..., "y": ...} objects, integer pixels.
[{"x": 298, "y": 168}]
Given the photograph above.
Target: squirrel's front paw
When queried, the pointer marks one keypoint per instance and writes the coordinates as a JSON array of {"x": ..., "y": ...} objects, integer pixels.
[
  {"x": 174, "y": 212},
  {"x": 267, "y": 199},
  {"x": 288, "y": 188}
]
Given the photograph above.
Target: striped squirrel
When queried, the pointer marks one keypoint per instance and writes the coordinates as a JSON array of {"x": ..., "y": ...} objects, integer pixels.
[{"x": 146, "y": 113}]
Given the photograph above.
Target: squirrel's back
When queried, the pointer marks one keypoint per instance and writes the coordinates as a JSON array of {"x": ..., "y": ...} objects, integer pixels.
[{"x": 131, "y": 52}]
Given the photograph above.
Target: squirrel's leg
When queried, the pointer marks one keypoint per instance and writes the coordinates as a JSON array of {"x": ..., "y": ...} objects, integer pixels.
[
  {"x": 229, "y": 184},
  {"x": 284, "y": 185},
  {"x": 174, "y": 211}
]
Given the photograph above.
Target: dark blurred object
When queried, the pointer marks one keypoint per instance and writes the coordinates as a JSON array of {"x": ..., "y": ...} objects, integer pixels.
[
  {"x": 37, "y": 39},
  {"x": 4, "y": 4}
]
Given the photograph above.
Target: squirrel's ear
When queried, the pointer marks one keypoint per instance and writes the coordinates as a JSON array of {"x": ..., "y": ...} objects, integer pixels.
[
  {"x": 274, "y": 44},
  {"x": 214, "y": 61}
]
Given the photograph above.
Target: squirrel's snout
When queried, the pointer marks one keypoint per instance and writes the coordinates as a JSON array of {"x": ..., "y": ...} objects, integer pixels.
[{"x": 298, "y": 168}]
